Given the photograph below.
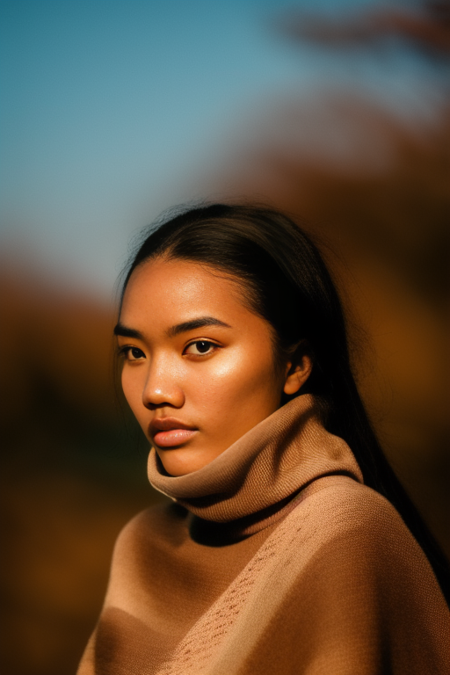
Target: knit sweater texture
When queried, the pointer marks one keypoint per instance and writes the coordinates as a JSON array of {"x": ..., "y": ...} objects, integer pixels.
[{"x": 274, "y": 559}]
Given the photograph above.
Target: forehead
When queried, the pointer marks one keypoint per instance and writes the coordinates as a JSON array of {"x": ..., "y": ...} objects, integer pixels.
[{"x": 169, "y": 289}]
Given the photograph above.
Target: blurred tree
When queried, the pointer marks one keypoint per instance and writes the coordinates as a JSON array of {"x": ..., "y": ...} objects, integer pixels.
[{"x": 425, "y": 27}]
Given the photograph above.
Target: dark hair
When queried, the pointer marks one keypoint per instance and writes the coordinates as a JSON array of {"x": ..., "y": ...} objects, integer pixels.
[{"x": 288, "y": 284}]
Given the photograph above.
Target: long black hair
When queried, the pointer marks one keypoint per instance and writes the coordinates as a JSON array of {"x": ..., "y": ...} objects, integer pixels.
[{"x": 287, "y": 283}]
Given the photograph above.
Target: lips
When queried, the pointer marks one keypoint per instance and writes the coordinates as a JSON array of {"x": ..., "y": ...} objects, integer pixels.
[{"x": 168, "y": 432}]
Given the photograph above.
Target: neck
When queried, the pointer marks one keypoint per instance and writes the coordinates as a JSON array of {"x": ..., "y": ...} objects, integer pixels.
[{"x": 256, "y": 478}]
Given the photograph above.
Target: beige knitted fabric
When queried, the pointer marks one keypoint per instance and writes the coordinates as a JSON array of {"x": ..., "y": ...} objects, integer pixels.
[{"x": 275, "y": 560}]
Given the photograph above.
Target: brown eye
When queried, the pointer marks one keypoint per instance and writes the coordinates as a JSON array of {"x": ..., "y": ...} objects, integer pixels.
[
  {"x": 132, "y": 353},
  {"x": 200, "y": 347}
]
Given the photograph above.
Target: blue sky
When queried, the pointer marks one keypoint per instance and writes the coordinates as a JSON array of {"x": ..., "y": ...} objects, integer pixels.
[{"x": 110, "y": 107}]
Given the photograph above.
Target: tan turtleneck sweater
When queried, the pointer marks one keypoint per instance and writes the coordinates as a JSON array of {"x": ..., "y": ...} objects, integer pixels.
[{"x": 274, "y": 559}]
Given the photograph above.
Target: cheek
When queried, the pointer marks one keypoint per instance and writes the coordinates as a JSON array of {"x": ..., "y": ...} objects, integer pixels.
[
  {"x": 132, "y": 390},
  {"x": 238, "y": 379}
]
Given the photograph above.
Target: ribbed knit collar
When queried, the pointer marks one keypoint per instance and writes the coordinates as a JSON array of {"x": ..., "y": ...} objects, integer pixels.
[{"x": 264, "y": 468}]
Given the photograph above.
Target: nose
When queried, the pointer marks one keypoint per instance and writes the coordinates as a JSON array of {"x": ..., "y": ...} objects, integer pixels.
[{"x": 161, "y": 387}]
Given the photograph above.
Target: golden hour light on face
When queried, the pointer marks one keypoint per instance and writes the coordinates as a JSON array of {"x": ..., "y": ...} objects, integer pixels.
[{"x": 198, "y": 366}]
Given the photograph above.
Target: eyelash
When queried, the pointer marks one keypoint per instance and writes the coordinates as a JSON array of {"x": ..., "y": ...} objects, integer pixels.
[
  {"x": 205, "y": 342},
  {"x": 126, "y": 350}
]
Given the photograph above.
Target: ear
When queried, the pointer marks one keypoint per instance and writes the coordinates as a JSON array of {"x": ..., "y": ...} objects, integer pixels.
[{"x": 297, "y": 373}]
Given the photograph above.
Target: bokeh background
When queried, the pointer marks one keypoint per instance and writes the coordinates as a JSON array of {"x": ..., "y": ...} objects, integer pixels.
[{"x": 336, "y": 111}]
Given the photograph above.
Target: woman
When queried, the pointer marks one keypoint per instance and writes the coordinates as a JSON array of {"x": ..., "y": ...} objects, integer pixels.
[{"x": 289, "y": 546}]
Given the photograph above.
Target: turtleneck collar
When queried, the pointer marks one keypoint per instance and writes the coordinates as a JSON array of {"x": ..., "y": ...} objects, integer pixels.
[{"x": 271, "y": 463}]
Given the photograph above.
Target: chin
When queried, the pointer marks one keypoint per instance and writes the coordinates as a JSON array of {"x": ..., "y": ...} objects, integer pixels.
[{"x": 180, "y": 461}]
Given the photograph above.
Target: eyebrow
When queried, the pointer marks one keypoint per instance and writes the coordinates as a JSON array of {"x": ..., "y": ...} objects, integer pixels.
[
  {"x": 124, "y": 331},
  {"x": 194, "y": 324},
  {"x": 184, "y": 327}
]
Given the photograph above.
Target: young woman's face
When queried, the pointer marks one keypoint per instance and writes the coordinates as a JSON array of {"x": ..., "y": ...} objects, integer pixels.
[{"x": 198, "y": 366}]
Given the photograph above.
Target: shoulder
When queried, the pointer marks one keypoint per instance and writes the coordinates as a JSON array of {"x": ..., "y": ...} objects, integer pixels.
[
  {"x": 344, "y": 506},
  {"x": 347, "y": 526},
  {"x": 150, "y": 528},
  {"x": 346, "y": 574},
  {"x": 353, "y": 537},
  {"x": 141, "y": 545}
]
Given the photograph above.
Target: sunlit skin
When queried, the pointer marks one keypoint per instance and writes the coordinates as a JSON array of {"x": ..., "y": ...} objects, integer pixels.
[{"x": 195, "y": 388}]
